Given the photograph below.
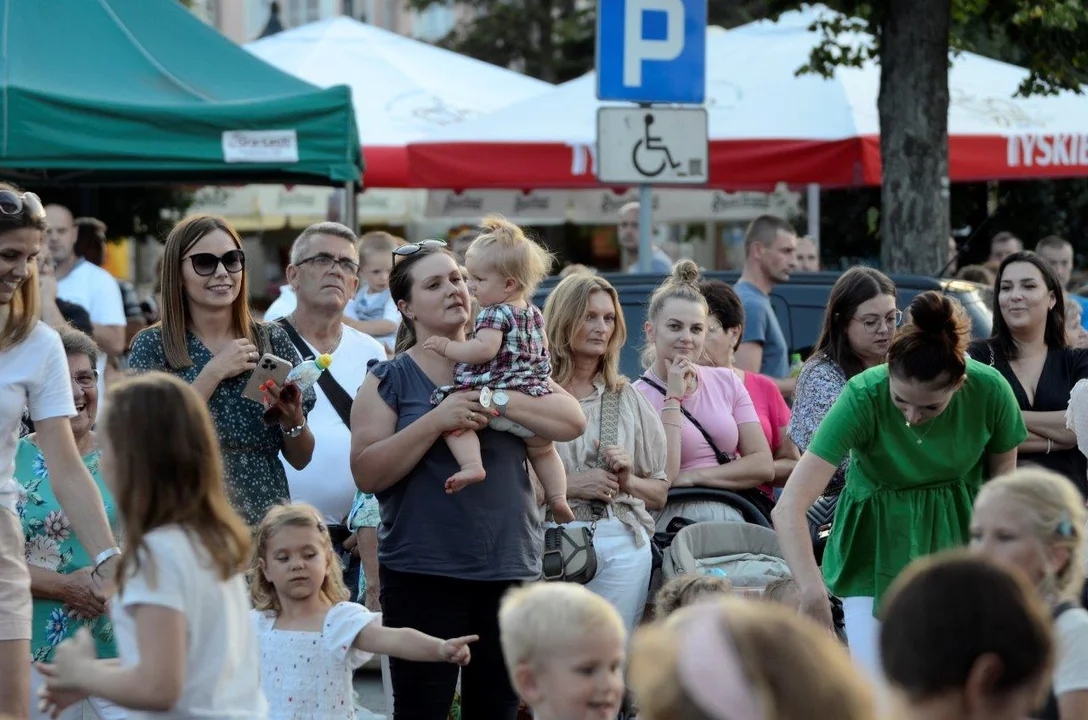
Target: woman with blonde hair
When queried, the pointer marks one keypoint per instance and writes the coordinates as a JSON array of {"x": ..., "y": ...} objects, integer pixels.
[
  {"x": 34, "y": 375},
  {"x": 735, "y": 659},
  {"x": 181, "y": 615},
  {"x": 710, "y": 421},
  {"x": 208, "y": 338},
  {"x": 619, "y": 468},
  {"x": 1034, "y": 520}
]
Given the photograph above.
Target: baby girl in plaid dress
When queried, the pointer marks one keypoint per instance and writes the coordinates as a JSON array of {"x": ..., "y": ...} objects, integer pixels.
[{"x": 508, "y": 352}]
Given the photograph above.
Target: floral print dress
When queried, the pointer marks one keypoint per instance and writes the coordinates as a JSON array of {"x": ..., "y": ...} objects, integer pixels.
[
  {"x": 254, "y": 474},
  {"x": 51, "y": 545}
]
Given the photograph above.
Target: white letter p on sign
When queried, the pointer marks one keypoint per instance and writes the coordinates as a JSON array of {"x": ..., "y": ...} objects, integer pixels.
[{"x": 636, "y": 49}]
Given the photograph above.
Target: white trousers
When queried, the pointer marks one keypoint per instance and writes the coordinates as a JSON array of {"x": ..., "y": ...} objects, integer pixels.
[
  {"x": 863, "y": 635},
  {"x": 91, "y": 709},
  {"x": 623, "y": 568}
]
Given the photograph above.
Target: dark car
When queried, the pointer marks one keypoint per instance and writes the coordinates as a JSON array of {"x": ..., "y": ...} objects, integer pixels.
[{"x": 799, "y": 304}]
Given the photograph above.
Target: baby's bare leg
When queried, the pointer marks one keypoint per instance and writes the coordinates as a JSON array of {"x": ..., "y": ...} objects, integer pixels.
[
  {"x": 549, "y": 469},
  {"x": 465, "y": 447}
]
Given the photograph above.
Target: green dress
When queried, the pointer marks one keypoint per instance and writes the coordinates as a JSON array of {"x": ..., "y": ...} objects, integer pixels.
[
  {"x": 909, "y": 490},
  {"x": 254, "y": 474},
  {"x": 51, "y": 545}
]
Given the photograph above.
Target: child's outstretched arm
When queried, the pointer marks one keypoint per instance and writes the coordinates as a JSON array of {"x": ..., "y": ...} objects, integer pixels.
[
  {"x": 480, "y": 349},
  {"x": 155, "y": 684},
  {"x": 409, "y": 644}
]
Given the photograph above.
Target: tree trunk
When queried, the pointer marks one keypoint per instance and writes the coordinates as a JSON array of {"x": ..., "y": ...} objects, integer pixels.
[{"x": 913, "y": 106}]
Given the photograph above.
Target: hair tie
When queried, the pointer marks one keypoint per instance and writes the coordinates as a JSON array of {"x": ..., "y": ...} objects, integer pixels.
[
  {"x": 709, "y": 668},
  {"x": 1065, "y": 525}
]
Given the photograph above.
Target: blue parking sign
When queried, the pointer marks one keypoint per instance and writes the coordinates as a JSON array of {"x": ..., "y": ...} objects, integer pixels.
[{"x": 651, "y": 51}]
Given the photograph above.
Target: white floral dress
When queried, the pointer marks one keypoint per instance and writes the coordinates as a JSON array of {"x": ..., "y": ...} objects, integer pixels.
[{"x": 307, "y": 675}]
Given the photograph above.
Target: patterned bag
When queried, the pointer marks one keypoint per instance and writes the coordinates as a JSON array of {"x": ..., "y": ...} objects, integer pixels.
[{"x": 569, "y": 555}]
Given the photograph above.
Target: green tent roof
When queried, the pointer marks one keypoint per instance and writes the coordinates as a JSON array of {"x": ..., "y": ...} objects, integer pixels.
[{"x": 130, "y": 91}]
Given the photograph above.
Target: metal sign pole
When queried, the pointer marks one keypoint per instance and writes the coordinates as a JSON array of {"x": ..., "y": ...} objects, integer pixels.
[{"x": 645, "y": 228}]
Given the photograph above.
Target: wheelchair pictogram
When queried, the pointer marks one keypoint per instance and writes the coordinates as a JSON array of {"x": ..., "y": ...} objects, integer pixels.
[{"x": 650, "y": 147}]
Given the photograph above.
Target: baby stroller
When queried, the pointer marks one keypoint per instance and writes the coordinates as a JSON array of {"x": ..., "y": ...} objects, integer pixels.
[{"x": 747, "y": 554}]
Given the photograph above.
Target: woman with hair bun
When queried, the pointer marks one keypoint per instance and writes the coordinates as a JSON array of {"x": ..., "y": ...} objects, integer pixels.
[
  {"x": 921, "y": 431},
  {"x": 704, "y": 409}
]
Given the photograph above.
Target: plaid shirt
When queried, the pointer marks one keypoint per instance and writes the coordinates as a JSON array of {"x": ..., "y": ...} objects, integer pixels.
[{"x": 522, "y": 361}]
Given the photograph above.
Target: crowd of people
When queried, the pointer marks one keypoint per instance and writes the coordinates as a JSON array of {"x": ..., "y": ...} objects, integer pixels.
[{"x": 202, "y": 540}]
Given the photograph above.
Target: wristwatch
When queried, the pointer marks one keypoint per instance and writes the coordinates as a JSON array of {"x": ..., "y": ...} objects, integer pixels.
[
  {"x": 500, "y": 399},
  {"x": 295, "y": 431}
]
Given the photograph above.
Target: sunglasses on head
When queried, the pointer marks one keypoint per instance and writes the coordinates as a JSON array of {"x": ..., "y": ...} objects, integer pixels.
[
  {"x": 412, "y": 248},
  {"x": 205, "y": 264},
  {"x": 12, "y": 203}
]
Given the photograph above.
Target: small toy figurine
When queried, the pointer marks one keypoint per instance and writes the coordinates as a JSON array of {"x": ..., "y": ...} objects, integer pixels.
[{"x": 302, "y": 376}]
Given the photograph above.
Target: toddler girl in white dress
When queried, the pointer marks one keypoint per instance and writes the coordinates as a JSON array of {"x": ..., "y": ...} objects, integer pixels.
[{"x": 311, "y": 639}]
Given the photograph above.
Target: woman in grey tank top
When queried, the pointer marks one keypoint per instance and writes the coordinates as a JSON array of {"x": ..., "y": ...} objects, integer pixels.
[{"x": 446, "y": 560}]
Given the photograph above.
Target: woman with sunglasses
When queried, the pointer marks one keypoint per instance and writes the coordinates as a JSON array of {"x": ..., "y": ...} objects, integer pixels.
[
  {"x": 445, "y": 561},
  {"x": 34, "y": 375},
  {"x": 208, "y": 338},
  {"x": 922, "y": 431}
]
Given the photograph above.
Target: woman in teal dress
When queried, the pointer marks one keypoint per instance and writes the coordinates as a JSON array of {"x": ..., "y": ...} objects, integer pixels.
[
  {"x": 922, "y": 432},
  {"x": 64, "y": 599},
  {"x": 208, "y": 339}
]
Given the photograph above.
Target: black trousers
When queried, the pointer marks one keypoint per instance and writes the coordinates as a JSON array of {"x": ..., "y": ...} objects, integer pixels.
[{"x": 448, "y": 607}]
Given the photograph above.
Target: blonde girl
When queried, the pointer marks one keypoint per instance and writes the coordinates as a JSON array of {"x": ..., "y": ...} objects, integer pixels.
[
  {"x": 1034, "y": 520},
  {"x": 508, "y": 351},
  {"x": 736, "y": 659},
  {"x": 311, "y": 638},
  {"x": 181, "y": 615}
]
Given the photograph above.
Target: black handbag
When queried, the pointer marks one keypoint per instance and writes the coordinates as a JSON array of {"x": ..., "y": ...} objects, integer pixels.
[
  {"x": 756, "y": 497},
  {"x": 820, "y": 518},
  {"x": 569, "y": 555}
]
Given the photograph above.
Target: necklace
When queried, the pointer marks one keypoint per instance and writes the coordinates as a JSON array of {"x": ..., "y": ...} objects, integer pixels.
[
  {"x": 917, "y": 437},
  {"x": 332, "y": 346}
]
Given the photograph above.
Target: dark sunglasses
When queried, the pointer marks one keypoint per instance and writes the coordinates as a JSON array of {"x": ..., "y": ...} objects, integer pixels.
[
  {"x": 12, "y": 203},
  {"x": 205, "y": 264},
  {"x": 412, "y": 248}
]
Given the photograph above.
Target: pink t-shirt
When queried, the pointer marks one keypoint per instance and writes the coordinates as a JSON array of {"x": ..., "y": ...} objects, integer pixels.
[
  {"x": 720, "y": 403},
  {"x": 771, "y": 407}
]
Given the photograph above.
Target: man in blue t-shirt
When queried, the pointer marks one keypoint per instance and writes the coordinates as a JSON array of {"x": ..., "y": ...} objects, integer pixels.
[
  {"x": 627, "y": 233},
  {"x": 770, "y": 247}
]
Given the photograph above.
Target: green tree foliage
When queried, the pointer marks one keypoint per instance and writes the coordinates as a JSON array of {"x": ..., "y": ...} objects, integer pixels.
[{"x": 554, "y": 40}]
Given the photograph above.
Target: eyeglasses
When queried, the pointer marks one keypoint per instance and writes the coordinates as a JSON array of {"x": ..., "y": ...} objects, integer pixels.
[
  {"x": 12, "y": 203},
  {"x": 412, "y": 248},
  {"x": 875, "y": 323},
  {"x": 86, "y": 380},
  {"x": 205, "y": 264},
  {"x": 324, "y": 262}
]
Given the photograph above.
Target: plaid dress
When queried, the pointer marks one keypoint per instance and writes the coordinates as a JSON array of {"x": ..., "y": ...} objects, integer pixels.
[{"x": 522, "y": 361}]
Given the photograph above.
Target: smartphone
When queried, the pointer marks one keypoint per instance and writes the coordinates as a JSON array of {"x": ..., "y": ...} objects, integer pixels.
[{"x": 268, "y": 368}]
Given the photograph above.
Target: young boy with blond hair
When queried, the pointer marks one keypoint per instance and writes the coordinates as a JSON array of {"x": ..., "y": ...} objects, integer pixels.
[{"x": 564, "y": 648}]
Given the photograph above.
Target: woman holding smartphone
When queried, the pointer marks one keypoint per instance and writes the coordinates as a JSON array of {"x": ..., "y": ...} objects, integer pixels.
[{"x": 208, "y": 338}]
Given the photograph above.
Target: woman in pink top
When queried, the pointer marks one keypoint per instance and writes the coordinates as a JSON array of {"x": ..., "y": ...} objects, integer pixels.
[
  {"x": 724, "y": 331},
  {"x": 688, "y": 396}
]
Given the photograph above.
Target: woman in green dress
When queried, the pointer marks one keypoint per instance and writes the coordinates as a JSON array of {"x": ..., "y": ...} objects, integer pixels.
[
  {"x": 208, "y": 339},
  {"x": 922, "y": 432}
]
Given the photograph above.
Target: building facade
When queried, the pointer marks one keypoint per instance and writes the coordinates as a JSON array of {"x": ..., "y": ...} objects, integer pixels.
[{"x": 244, "y": 20}]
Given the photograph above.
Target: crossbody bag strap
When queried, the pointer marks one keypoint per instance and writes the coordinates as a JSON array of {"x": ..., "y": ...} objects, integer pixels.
[
  {"x": 337, "y": 395},
  {"x": 607, "y": 436},
  {"x": 722, "y": 457}
]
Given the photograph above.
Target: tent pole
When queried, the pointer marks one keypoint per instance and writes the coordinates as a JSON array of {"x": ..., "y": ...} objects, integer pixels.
[{"x": 351, "y": 206}]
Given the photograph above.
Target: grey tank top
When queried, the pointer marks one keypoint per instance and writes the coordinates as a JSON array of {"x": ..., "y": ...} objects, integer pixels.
[{"x": 488, "y": 531}]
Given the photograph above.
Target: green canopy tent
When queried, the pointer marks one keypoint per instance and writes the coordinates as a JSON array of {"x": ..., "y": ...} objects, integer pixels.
[{"x": 96, "y": 92}]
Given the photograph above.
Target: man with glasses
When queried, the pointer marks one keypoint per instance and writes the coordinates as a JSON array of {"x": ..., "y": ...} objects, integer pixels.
[
  {"x": 88, "y": 285},
  {"x": 324, "y": 277}
]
